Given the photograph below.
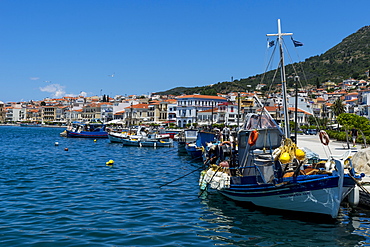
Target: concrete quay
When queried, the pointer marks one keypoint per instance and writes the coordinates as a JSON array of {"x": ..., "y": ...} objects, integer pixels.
[{"x": 313, "y": 143}]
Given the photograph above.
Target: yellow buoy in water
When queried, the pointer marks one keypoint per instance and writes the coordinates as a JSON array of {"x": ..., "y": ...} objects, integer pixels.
[
  {"x": 284, "y": 158},
  {"x": 300, "y": 154},
  {"x": 94, "y": 140},
  {"x": 110, "y": 163}
]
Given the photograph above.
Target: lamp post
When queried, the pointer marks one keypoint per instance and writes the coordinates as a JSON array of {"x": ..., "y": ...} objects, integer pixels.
[
  {"x": 238, "y": 109},
  {"x": 212, "y": 114},
  {"x": 296, "y": 79}
]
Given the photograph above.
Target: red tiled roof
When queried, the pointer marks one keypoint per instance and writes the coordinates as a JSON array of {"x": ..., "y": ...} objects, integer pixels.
[
  {"x": 210, "y": 110},
  {"x": 138, "y": 106},
  {"x": 299, "y": 110},
  {"x": 197, "y": 96}
]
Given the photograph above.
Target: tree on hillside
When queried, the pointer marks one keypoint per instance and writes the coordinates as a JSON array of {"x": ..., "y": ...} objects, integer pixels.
[{"x": 338, "y": 107}]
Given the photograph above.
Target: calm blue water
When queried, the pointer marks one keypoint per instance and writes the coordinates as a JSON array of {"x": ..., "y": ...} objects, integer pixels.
[{"x": 53, "y": 197}]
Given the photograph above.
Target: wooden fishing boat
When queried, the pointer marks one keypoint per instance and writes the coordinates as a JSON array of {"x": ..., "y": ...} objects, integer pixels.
[
  {"x": 271, "y": 171},
  {"x": 195, "y": 149},
  {"x": 87, "y": 130}
]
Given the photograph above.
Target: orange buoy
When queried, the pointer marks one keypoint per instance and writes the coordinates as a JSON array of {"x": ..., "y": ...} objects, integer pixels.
[{"x": 253, "y": 136}]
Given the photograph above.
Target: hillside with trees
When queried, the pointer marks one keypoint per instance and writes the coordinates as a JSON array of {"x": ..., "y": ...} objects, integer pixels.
[{"x": 349, "y": 59}]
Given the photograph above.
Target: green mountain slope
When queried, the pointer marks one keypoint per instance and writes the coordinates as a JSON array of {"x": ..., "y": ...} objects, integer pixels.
[{"x": 348, "y": 59}]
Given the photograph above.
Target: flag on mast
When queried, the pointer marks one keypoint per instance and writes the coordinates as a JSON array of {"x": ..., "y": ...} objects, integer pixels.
[
  {"x": 296, "y": 43},
  {"x": 270, "y": 43}
]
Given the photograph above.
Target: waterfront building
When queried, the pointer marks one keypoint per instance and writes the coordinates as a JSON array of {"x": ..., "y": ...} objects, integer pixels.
[
  {"x": 91, "y": 112},
  {"x": 13, "y": 114},
  {"x": 302, "y": 104},
  {"x": 228, "y": 114},
  {"x": 72, "y": 115},
  {"x": 119, "y": 115},
  {"x": 33, "y": 114},
  {"x": 119, "y": 107},
  {"x": 207, "y": 117},
  {"x": 136, "y": 114},
  {"x": 171, "y": 111},
  {"x": 106, "y": 109},
  {"x": 2, "y": 112},
  {"x": 49, "y": 113},
  {"x": 364, "y": 104},
  {"x": 161, "y": 114},
  {"x": 188, "y": 107}
]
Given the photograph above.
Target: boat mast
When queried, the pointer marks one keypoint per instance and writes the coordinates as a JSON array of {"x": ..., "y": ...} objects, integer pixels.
[{"x": 283, "y": 78}]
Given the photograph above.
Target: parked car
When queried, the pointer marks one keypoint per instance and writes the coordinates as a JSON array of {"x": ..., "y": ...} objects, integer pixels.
[{"x": 311, "y": 132}]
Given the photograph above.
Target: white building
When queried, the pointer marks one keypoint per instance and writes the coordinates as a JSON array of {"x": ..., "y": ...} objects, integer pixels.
[
  {"x": 189, "y": 105},
  {"x": 228, "y": 113},
  {"x": 302, "y": 104},
  {"x": 106, "y": 112},
  {"x": 14, "y": 114},
  {"x": 171, "y": 112}
]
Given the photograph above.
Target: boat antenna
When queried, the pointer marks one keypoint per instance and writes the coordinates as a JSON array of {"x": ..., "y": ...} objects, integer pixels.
[{"x": 283, "y": 77}]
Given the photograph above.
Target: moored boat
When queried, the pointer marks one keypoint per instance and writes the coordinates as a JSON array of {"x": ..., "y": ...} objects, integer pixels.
[
  {"x": 271, "y": 171},
  {"x": 87, "y": 130},
  {"x": 195, "y": 149},
  {"x": 161, "y": 142},
  {"x": 147, "y": 141},
  {"x": 30, "y": 125},
  {"x": 186, "y": 136},
  {"x": 117, "y": 136}
]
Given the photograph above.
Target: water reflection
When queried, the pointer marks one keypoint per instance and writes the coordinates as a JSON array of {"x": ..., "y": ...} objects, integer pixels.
[{"x": 234, "y": 224}]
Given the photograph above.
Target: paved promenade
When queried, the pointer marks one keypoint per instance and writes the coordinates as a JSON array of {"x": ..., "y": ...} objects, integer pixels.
[{"x": 313, "y": 143}]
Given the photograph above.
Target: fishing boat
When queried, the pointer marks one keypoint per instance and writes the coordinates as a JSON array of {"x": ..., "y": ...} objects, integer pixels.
[
  {"x": 195, "y": 149},
  {"x": 186, "y": 136},
  {"x": 117, "y": 137},
  {"x": 271, "y": 171},
  {"x": 87, "y": 130},
  {"x": 147, "y": 141},
  {"x": 30, "y": 124},
  {"x": 156, "y": 142}
]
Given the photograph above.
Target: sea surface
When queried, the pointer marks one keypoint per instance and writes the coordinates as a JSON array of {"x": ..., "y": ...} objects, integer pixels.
[{"x": 51, "y": 196}]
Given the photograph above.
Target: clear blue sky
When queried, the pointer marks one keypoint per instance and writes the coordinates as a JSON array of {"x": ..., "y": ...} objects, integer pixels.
[{"x": 51, "y": 48}]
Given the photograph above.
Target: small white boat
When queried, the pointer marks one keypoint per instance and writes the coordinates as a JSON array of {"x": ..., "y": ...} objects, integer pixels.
[
  {"x": 117, "y": 136},
  {"x": 147, "y": 141},
  {"x": 30, "y": 125}
]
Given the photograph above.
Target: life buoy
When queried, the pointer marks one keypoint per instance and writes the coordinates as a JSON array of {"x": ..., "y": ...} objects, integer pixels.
[
  {"x": 324, "y": 138},
  {"x": 253, "y": 136},
  {"x": 226, "y": 143}
]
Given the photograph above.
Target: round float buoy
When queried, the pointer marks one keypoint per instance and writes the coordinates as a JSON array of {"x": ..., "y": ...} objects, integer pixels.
[
  {"x": 253, "y": 136},
  {"x": 324, "y": 138},
  {"x": 94, "y": 140},
  {"x": 284, "y": 158},
  {"x": 66, "y": 149},
  {"x": 56, "y": 143},
  {"x": 300, "y": 154},
  {"x": 110, "y": 163}
]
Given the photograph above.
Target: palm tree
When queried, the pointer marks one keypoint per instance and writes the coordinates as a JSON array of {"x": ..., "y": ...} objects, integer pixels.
[{"x": 338, "y": 107}]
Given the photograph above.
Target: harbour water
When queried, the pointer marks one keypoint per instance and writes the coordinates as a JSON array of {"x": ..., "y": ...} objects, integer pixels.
[{"x": 53, "y": 197}]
